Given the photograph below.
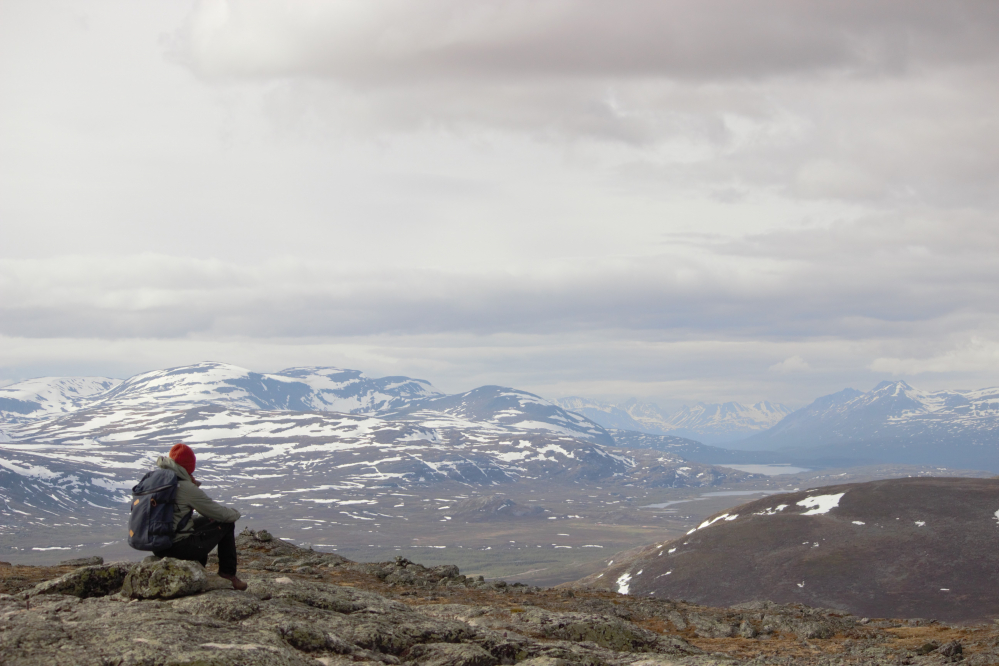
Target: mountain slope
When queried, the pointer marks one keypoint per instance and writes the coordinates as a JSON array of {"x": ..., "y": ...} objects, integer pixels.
[
  {"x": 78, "y": 467},
  {"x": 920, "y": 547},
  {"x": 894, "y": 423},
  {"x": 328, "y": 448},
  {"x": 503, "y": 407},
  {"x": 45, "y": 396}
]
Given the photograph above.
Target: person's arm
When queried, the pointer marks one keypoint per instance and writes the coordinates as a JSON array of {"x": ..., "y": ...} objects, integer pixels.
[{"x": 209, "y": 508}]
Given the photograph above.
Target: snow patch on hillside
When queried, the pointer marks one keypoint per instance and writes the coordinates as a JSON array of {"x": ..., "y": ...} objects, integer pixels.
[
  {"x": 820, "y": 504},
  {"x": 623, "y": 583}
]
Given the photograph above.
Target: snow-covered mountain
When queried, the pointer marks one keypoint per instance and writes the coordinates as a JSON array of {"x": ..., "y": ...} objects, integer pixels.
[
  {"x": 604, "y": 413},
  {"x": 150, "y": 405},
  {"x": 652, "y": 417},
  {"x": 46, "y": 396},
  {"x": 289, "y": 433},
  {"x": 508, "y": 407},
  {"x": 895, "y": 422},
  {"x": 726, "y": 422},
  {"x": 294, "y": 389},
  {"x": 710, "y": 423},
  {"x": 304, "y": 449}
]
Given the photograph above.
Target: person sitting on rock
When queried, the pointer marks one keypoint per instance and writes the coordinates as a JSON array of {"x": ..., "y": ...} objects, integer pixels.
[{"x": 214, "y": 526}]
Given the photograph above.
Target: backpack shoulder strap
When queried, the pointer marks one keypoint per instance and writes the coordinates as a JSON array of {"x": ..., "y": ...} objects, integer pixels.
[{"x": 155, "y": 481}]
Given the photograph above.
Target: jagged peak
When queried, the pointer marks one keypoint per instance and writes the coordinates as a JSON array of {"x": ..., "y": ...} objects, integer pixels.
[{"x": 897, "y": 384}]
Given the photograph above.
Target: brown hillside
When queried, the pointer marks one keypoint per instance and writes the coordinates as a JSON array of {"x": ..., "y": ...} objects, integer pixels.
[{"x": 926, "y": 547}]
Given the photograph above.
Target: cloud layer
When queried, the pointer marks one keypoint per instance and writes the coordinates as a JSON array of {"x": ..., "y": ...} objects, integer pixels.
[
  {"x": 681, "y": 200},
  {"x": 376, "y": 41},
  {"x": 843, "y": 100}
]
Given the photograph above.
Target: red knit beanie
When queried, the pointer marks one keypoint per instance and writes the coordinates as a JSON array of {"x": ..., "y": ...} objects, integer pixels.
[{"x": 183, "y": 456}]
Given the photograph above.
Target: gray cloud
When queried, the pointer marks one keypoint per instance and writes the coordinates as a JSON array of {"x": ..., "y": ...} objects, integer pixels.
[
  {"x": 373, "y": 42},
  {"x": 855, "y": 101},
  {"x": 722, "y": 200},
  {"x": 873, "y": 278}
]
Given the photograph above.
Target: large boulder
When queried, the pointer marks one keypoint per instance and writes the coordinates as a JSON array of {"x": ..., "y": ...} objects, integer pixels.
[
  {"x": 94, "y": 581},
  {"x": 167, "y": 578}
]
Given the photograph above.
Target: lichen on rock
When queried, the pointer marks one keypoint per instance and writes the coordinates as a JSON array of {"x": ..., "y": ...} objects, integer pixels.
[
  {"x": 93, "y": 581},
  {"x": 229, "y": 607},
  {"x": 608, "y": 632},
  {"x": 450, "y": 654},
  {"x": 167, "y": 578}
]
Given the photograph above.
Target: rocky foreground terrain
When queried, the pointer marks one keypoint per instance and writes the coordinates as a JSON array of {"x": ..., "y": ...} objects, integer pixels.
[{"x": 307, "y": 607}]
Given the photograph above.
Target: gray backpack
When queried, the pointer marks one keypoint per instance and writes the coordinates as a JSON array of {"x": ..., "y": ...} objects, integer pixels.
[{"x": 150, "y": 523}]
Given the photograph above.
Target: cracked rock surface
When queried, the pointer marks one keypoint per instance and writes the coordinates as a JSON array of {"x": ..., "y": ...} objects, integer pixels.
[
  {"x": 304, "y": 607},
  {"x": 300, "y": 622}
]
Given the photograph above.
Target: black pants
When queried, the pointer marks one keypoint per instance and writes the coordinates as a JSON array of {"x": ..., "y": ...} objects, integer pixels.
[{"x": 207, "y": 535}]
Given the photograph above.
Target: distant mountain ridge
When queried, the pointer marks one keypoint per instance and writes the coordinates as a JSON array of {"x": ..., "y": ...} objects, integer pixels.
[
  {"x": 725, "y": 422},
  {"x": 708, "y": 423},
  {"x": 303, "y": 389},
  {"x": 302, "y": 432},
  {"x": 894, "y": 422},
  {"x": 294, "y": 389},
  {"x": 606, "y": 414}
]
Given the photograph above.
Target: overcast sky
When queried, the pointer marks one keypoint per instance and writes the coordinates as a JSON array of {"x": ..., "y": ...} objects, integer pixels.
[{"x": 680, "y": 201}]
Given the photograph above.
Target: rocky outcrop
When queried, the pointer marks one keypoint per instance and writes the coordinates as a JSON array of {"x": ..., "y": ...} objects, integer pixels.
[
  {"x": 281, "y": 557},
  {"x": 608, "y": 631},
  {"x": 284, "y": 621},
  {"x": 327, "y": 610},
  {"x": 165, "y": 578},
  {"x": 93, "y": 581},
  {"x": 449, "y": 654}
]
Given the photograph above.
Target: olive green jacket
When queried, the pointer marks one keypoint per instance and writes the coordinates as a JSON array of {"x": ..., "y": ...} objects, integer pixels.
[{"x": 192, "y": 498}]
